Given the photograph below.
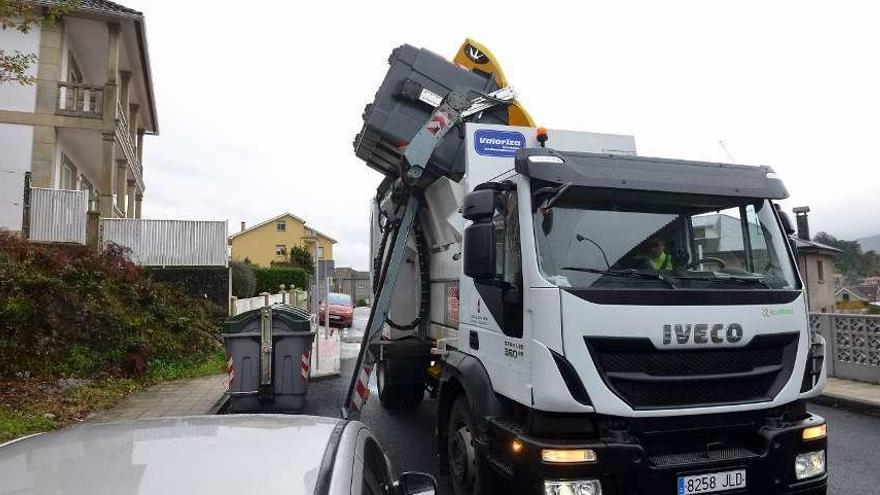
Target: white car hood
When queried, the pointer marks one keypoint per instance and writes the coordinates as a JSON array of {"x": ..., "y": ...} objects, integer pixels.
[{"x": 215, "y": 455}]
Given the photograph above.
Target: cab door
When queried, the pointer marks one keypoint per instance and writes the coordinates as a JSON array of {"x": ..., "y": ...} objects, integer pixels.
[{"x": 491, "y": 304}]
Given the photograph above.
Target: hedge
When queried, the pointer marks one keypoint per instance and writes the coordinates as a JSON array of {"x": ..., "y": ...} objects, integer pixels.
[
  {"x": 205, "y": 282},
  {"x": 69, "y": 310},
  {"x": 244, "y": 282},
  {"x": 268, "y": 279}
]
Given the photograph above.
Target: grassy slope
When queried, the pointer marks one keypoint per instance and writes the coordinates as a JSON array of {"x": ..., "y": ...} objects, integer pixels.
[{"x": 32, "y": 405}]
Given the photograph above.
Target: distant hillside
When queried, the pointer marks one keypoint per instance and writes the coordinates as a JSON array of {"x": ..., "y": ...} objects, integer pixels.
[{"x": 870, "y": 243}]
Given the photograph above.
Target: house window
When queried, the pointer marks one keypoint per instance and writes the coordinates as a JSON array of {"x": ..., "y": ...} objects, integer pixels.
[
  {"x": 74, "y": 75},
  {"x": 360, "y": 285},
  {"x": 280, "y": 250},
  {"x": 281, "y": 227},
  {"x": 85, "y": 185},
  {"x": 67, "y": 177},
  {"x": 821, "y": 268},
  {"x": 320, "y": 252}
]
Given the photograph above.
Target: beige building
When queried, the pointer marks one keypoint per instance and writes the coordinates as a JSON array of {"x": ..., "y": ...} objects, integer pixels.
[
  {"x": 816, "y": 266},
  {"x": 272, "y": 240},
  {"x": 82, "y": 125}
]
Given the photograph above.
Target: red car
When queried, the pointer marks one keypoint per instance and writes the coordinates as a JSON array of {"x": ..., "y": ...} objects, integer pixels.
[{"x": 341, "y": 310}]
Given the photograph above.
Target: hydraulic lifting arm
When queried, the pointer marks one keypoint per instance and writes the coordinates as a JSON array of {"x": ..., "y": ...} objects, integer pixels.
[{"x": 448, "y": 112}]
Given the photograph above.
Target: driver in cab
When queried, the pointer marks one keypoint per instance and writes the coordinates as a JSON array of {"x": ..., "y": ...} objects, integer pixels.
[{"x": 656, "y": 255}]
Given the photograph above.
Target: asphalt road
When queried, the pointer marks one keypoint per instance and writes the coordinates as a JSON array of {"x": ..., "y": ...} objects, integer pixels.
[{"x": 854, "y": 463}]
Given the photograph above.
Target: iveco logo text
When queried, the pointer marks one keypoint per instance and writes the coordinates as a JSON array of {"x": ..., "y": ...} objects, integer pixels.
[{"x": 702, "y": 333}]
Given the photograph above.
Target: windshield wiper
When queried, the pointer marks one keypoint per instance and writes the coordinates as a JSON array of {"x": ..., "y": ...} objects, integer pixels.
[
  {"x": 730, "y": 278},
  {"x": 627, "y": 274}
]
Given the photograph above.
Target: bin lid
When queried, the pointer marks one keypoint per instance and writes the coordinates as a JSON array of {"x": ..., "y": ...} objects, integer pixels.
[{"x": 297, "y": 320}]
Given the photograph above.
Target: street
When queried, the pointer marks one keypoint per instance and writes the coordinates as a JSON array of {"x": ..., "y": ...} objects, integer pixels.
[{"x": 408, "y": 437}]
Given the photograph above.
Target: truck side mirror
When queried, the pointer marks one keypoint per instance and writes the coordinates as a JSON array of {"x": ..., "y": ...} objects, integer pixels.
[
  {"x": 787, "y": 226},
  {"x": 479, "y": 251},
  {"x": 479, "y": 205}
]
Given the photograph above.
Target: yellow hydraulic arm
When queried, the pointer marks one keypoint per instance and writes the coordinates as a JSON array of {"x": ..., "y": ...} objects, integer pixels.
[{"x": 475, "y": 57}]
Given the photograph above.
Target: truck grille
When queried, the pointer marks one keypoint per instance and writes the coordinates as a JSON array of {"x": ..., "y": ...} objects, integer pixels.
[{"x": 648, "y": 378}]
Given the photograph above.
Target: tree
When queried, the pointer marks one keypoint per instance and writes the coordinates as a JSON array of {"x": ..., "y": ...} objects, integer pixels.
[
  {"x": 301, "y": 257},
  {"x": 21, "y": 15},
  {"x": 851, "y": 262}
]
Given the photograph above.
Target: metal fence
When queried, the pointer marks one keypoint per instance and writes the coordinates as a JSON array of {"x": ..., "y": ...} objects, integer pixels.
[
  {"x": 57, "y": 215},
  {"x": 853, "y": 345},
  {"x": 169, "y": 242}
]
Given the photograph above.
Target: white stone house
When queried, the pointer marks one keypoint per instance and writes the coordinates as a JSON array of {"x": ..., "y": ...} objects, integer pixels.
[{"x": 82, "y": 125}]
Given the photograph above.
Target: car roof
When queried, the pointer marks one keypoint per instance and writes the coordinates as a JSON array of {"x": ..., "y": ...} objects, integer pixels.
[{"x": 264, "y": 454}]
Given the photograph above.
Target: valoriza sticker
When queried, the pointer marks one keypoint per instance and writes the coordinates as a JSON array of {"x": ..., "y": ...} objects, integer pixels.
[{"x": 488, "y": 142}]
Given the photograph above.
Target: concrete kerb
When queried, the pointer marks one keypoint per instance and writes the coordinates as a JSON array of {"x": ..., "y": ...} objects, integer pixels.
[{"x": 851, "y": 404}]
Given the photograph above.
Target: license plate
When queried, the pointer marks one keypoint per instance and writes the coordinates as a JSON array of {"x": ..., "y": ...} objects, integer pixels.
[
  {"x": 334, "y": 317},
  {"x": 712, "y": 482}
]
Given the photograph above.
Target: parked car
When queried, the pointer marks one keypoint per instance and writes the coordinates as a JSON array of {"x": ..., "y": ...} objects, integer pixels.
[
  {"x": 341, "y": 310},
  {"x": 216, "y": 455}
]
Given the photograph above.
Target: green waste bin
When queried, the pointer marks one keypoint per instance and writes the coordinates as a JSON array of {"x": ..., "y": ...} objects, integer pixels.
[{"x": 270, "y": 352}]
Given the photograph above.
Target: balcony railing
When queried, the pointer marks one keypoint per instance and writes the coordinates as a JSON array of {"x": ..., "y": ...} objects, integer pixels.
[
  {"x": 81, "y": 100},
  {"x": 123, "y": 134}
]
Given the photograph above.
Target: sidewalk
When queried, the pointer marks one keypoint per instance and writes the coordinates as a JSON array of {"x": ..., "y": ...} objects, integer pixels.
[
  {"x": 855, "y": 396},
  {"x": 177, "y": 398},
  {"x": 205, "y": 395}
]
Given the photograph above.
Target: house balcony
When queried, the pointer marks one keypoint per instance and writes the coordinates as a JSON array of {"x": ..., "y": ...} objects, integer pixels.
[{"x": 80, "y": 100}]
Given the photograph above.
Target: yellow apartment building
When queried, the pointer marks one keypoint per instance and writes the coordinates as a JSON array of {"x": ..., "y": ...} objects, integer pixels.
[{"x": 272, "y": 240}]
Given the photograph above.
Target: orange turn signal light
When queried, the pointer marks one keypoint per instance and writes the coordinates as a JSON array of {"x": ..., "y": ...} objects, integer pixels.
[
  {"x": 815, "y": 432},
  {"x": 568, "y": 456},
  {"x": 516, "y": 446}
]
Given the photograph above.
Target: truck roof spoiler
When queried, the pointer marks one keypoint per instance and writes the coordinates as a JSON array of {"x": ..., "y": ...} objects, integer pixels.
[{"x": 610, "y": 171}]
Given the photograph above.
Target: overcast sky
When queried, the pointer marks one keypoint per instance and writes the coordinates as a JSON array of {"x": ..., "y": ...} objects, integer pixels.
[{"x": 258, "y": 107}]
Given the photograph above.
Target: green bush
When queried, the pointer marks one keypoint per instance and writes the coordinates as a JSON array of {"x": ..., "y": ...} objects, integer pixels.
[
  {"x": 268, "y": 279},
  {"x": 73, "y": 311},
  {"x": 244, "y": 282}
]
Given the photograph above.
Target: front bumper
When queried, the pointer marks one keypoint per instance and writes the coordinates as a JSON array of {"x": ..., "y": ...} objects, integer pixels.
[{"x": 632, "y": 466}]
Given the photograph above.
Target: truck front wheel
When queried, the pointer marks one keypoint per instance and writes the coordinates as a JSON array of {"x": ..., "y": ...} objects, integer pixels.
[{"x": 469, "y": 472}]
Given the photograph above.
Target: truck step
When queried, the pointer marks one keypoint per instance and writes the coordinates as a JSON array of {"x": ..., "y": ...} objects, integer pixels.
[{"x": 504, "y": 468}]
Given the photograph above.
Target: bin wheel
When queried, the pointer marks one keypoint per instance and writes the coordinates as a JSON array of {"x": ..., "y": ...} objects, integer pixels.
[{"x": 397, "y": 397}]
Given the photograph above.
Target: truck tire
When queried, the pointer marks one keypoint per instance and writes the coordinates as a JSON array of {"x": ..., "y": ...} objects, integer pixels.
[
  {"x": 397, "y": 397},
  {"x": 469, "y": 473}
]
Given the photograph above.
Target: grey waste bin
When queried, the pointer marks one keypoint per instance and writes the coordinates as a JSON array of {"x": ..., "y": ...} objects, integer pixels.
[{"x": 274, "y": 377}]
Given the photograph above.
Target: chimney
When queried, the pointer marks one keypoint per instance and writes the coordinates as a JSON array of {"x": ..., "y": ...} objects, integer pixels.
[
  {"x": 803, "y": 224},
  {"x": 242, "y": 226}
]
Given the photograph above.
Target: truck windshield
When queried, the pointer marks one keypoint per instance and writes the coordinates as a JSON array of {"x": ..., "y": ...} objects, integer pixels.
[{"x": 662, "y": 241}]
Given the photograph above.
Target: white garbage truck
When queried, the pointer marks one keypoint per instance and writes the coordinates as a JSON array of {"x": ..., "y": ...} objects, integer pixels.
[{"x": 588, "y": 320}]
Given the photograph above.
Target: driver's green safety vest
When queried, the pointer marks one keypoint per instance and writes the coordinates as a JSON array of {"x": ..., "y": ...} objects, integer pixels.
[{"x": 661, "y": 262}]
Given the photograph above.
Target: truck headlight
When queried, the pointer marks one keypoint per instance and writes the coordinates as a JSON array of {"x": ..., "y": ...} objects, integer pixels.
[
  {"x": 572, "y": 487},
  {"x": 809, "y": 465}
]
